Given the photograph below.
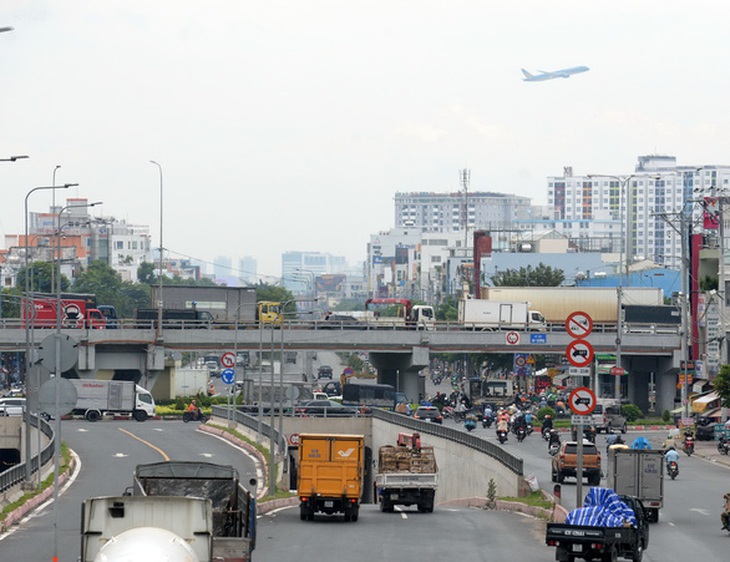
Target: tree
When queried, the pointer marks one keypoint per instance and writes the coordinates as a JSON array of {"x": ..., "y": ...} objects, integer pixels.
[
  {"x": 721, "y": 385},
  {"x": 448, "y": 310},
  {"x": 101, "y": 280},
  {"x": 146, "y": 273},
  {"x": 41, "y": 274},
  {"x": 540, "y": 276},
  {"x": 266, "y": 292}
]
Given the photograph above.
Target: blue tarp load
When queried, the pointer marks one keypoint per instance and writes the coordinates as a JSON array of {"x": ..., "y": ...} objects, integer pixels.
[{"x": 602, "y": 508}]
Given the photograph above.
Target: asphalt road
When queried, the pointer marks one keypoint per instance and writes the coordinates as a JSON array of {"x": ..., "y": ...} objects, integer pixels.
[{"x": 109, "y": 452}]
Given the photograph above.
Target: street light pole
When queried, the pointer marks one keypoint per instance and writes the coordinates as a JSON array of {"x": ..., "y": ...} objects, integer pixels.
[
  {"x": 53, "y": 210},
  {"x": 28, "y": 308},
  {"x": 159, "y": 297},
  {"x": 57, "y": 371},
  {"x": 13, "y": 158}
]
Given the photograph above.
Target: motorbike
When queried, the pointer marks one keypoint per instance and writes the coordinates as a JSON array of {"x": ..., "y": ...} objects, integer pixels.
[
  {"x": 194, "y": 416},
  {"x": 521, "y": 433},
  {"x": 723, "y": 446},
  {"x": 545, "y": 433},
  {"x": 689, "y": 445},
  {"x": 486, "y": 422},
  {"x": 673, "y": 469},
  {"x": 553, "y": 448},
  {"x": 502, "y": 436},
  {"x": 470, "y": 424}
]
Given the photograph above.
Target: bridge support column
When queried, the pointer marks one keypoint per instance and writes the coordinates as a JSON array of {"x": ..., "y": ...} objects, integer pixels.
[{"x": 401, "y": 370}]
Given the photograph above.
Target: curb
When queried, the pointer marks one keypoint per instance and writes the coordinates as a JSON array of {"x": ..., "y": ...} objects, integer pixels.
[{"x": 18, "y": 513}]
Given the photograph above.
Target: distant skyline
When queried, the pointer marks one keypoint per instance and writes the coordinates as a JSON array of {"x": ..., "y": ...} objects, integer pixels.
[{"x": 288, "y": 126}]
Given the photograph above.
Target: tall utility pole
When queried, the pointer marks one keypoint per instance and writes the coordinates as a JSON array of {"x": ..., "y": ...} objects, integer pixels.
[{"x": 465, "y": 176}]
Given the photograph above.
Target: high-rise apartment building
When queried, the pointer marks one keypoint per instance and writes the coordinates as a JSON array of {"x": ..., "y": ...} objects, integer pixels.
[
  {"x": 641, "y": 213},
  {"x": 299, "y": 270},
  {"x": 452, "y": 212}
]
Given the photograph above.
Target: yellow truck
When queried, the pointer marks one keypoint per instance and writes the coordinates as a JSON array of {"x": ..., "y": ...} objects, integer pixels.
[{"x": 330, "y": 475}]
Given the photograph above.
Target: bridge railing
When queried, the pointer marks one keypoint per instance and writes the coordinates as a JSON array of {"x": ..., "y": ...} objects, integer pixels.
[
  {"x": 515, "y": 464},
  {"x": 16, "y": 474},
  {"x": 252, "y": 422}
]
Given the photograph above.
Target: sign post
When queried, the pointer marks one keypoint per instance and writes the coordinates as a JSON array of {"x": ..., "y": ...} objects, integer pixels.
[{"x": 582, "y": 402}]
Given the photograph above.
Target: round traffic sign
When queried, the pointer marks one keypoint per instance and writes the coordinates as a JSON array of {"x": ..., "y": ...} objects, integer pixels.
[
  {"x": 228, "y": 359},
  {"x": 57, "y": 391},
  {"x": 582, "y": 401},
  {"x": 578, "y": 324},
  {"x": 520, "y": 360},
  {"x": 294, "y": 439},
  {"x": 347, "y": 371},
  {"x": 579, "y": 353},
  {"x": 228, "y": 376},
  {"x": 512, "y": 338}
]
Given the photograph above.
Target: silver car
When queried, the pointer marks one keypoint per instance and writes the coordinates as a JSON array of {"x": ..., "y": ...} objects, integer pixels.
[{"x": 12, "y": 406}]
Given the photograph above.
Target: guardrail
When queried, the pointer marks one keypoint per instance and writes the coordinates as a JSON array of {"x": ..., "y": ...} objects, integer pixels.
[
  {"x": 515, "y": 464},
  {"x": 450, "y": 326},
  {"x": 16, "y": 475},
  {"x": 252, "y": 423}
]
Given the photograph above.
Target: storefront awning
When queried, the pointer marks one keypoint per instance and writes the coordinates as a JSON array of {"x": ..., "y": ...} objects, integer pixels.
[
  {"x": 699, "y": 385},
  {"x": 699, "y": 405},
  {"x": 716, "y": 413}
]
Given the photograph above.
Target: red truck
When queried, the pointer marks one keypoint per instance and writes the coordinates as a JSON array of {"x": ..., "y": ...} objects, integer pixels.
[{"x": 77, "y": 311}]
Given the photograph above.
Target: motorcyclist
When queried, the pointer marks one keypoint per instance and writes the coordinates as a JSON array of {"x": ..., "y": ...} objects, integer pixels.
[
  {"x": 671, "y": 456},
  {"x": 725, "y": 515},
  {"x": 194, "y": 409},
  {"x": 553, "y": 438},
  {"x": 547, "y": 422},
  {"x": 488, "y": 412}
]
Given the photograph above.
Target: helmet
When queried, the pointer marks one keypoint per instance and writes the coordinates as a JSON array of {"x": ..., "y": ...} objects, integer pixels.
[{"x": 548, "y": 416}]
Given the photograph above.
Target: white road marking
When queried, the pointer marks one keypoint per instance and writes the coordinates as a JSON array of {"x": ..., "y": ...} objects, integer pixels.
[
  {"x": 206, "y": 455},
  {"x": 120, "y": 455},
  {"x": 700, "y": 510}
]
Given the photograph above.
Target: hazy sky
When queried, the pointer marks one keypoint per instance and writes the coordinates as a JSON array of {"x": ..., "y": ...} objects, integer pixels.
[{"x": 290, "y": 124}]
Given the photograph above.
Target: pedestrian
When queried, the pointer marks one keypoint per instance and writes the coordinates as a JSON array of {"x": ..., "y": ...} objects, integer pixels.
[{"x": 725, "y": 516}]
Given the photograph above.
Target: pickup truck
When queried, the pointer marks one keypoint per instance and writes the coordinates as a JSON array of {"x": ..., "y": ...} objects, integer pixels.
[
  {"x": 603, "y": 543},
  {"x": 565, "y": 463}
]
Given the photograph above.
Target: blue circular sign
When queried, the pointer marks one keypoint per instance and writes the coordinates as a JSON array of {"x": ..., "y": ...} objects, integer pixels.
[{"x": 228, "y": 376}]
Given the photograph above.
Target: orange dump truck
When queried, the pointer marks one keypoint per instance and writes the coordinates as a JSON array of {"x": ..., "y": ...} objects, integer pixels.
[{"x": 330, "y": 475}]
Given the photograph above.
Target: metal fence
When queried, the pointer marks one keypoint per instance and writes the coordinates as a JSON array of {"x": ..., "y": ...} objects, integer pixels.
[
  {"x": 16, "y": 475},
  {"x": 252, "y": 422}
]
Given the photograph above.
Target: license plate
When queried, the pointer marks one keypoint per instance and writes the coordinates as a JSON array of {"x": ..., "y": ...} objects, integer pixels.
[
  {"x": 329, "y": 503},
  {"x": 577, "y": 548}
]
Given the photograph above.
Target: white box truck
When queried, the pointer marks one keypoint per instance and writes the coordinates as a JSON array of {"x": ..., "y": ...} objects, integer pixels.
[
  {"x": 484, "y": 314},
  {"x": 96, "y": 398},
  {"x": 638, "y": 473}
]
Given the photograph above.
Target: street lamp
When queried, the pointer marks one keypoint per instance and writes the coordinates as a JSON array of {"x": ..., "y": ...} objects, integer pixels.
[
  {"x": 53, "y": 210},
  {"x": 57, "y": 371},
  {"x": 27, "y": 307},
  {"x": 12, "y": 158},
  {"x": 159, "y": 297}
]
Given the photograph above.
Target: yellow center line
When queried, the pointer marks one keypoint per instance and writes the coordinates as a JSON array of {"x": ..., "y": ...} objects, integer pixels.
[{"x": 164, "y": 456}]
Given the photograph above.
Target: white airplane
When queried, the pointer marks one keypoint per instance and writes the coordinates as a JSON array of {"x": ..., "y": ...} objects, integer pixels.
[{"x": 564, "y": 73}]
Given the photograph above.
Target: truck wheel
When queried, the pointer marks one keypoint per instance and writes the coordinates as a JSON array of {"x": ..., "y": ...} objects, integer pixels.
[
  {"x": 386, "y": 506},
  {"x": 560, "y": 477},
  {"x": 594, "y": 479},
  {"x": 610, "y": 556},
  {"x": 303, "y": 513},
  {"x": 93, "y": 415},
  {"x": 348, "y": 517},
  {"x": 140, "y": 415},
  {"x": 623, "y": 429},
  {"x": 355, "y": 514},
  {"x": 638, "y": 553}
]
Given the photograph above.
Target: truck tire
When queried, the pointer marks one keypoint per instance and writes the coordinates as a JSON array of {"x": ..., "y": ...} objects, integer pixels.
[
  {"x": 140, "y": 415},
  {"x": 594, "y": 479},
  {"x": 624, "y": 428},
  {"x": 302, "y": 513},
  {"x": 638, "y": 553},
  {"x": 386, "y": 506},
  {"x": 610, "y": 555},
  {"x": 560, "y": 477},
  {"x": 355, "y": 514},
  {"x": 93, "y": 415}
]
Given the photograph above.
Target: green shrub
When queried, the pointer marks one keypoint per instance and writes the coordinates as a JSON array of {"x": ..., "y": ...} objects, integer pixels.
[
  {"x": 542, "y": 412},
  {"x": 666, "y": 416},
  {"x": 632, "y": 412}
]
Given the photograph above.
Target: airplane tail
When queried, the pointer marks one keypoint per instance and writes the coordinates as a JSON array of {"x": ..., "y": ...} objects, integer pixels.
[{"x": 527, "y": 74}]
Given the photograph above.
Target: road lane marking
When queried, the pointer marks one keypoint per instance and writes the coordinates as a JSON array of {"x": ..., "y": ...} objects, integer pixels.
[{"x": 150, "y": 445}]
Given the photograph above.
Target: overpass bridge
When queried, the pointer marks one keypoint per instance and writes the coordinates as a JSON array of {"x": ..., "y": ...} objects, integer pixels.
[{"x": 397, "y": 354}]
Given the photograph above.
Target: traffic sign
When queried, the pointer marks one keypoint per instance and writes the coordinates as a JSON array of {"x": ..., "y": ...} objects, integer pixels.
[
  {"x": 228, "y": 359},
  {"x": 347, "y": 371},
  {"x": 578, "y": 324},
  {"x": 512, "y": 338},
  {"x": 294, "y": 439},
  {"x": 582, "y": 401},
  {"x": 520, "y": 360},
  {"x": 579, "y": 353},
  {"x": 617, "y": 371},
  {"x": 581, "y": 420},
  {"x": 228, "y": 376}
]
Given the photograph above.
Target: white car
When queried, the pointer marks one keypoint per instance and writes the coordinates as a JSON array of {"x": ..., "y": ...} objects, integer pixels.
[{"x": 12, "y": 406}]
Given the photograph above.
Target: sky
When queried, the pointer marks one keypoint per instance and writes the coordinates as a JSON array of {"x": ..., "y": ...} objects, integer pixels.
[{"x": 283, "y": 125}]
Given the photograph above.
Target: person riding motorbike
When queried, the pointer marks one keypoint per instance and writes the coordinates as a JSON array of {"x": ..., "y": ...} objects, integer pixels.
[
  {"x": 194, "y": 409},
  {"x": 553, "y": 439},
  {"x": 547, "y": 424},
  {"x": 671, "y": 456},
  {"x": 725, "y": 515}
]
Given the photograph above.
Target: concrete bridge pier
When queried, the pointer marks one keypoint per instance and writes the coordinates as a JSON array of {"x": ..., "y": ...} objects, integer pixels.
[
  {"x": 645, "y": 370},
  {"x": 401, "y": 370}
]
